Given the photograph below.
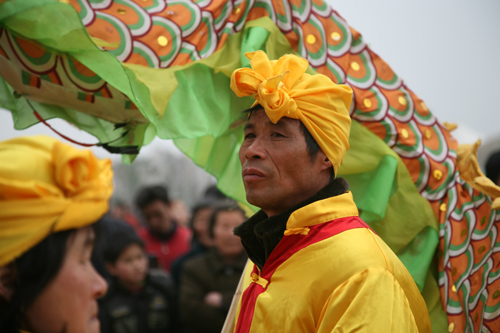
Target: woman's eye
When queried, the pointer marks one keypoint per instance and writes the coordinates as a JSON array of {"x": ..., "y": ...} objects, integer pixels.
[
  {"x": 278, "y": 135},
  {"x": 86, "y": 256},
  {"x": 249, "y": 136}
]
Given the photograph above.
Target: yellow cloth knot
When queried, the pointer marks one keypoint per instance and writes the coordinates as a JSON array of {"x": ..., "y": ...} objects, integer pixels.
[
  {"x": 47, "y": 186},
  {"x": 259, "y": 280},
  {"x": 284, "y": 89},
  {"x": 274, "y": 98},
  {"x": 297, "y": 231},
  {"x": 470, "y": 172}
]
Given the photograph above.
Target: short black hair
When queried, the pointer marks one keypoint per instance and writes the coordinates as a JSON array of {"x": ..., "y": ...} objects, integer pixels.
[
  {"x": 150, "y": 194},
  {"x": 224, "y": 206},
  {"x": 493, "y": 166},
  {"x": 120, "y": 236}
]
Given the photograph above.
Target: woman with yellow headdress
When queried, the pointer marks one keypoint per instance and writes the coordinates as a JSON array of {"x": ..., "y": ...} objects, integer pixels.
[{"x": 50, "y": 195}]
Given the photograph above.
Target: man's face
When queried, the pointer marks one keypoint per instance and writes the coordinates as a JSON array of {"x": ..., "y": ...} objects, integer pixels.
[
  {"x": 225, "y": 241},
  {"x": 278, "y": 172},
  {"x": 69, "y": 302},
  {"x": 157, "y": 216},
  {"x": 131, "y": 266}
]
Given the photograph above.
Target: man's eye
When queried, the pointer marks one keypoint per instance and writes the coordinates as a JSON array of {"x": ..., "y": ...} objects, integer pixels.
[{"x": 249, "y": 136}]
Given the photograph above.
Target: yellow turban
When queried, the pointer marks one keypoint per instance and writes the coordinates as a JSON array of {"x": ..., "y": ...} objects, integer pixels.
[
  {"x": 284, "y": 89},
  {"x": 45, "y": 187}
]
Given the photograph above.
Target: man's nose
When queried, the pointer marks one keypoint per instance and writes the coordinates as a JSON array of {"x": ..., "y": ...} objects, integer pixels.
[
  {"x": 255, "y": 150},
  {"x": 154, "y": 221},
  {"x": 137, "y": 263}
]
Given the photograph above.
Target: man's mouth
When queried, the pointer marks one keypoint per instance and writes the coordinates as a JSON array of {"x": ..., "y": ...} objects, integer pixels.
[{"x": 252, "y": 174}]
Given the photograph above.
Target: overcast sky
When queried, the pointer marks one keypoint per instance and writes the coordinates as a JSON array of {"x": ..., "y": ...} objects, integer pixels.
[{"x": 448, "y": 53}]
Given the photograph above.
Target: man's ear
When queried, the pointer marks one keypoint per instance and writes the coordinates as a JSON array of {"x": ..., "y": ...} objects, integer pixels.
[
  {"x": 325, "y": 161},
  {"x": 8, "y": 275}
]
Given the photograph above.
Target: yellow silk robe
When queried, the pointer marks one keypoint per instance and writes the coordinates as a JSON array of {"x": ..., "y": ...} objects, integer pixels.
[{"x": 331, "y": 273}]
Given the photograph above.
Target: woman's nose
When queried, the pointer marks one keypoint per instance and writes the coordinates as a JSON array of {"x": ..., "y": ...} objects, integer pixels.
[{"x": 99, "y": 285}]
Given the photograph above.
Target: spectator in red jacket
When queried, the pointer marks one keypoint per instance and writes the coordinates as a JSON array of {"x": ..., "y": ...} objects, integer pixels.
[{"x": 164, "y": 239}]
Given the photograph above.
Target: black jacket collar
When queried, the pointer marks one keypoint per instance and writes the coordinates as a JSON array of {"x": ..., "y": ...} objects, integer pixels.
[{"x": 261, "y": 234}]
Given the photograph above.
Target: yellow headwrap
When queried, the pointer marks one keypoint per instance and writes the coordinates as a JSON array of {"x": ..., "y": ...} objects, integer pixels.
[
  {"x": 45, "y": 187},
  {"x": 284, "y": 89}
]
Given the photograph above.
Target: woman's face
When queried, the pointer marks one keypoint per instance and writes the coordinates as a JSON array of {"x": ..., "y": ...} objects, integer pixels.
[
  {"x": 200, "y": 225},
  {"x": 69, "y": 302}
]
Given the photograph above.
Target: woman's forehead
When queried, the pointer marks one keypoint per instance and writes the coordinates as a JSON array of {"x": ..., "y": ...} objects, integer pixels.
[{"x": 83, "y": 238}]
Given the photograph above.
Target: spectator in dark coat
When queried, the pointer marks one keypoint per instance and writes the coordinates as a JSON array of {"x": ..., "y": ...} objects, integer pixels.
[{"x": 209, "y": 281}]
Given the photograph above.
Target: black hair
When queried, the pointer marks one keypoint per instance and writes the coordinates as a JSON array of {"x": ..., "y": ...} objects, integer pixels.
[
  {"x": 104, "y": 229},
  {"x": 311, "y": 144},
  {"x": 493, "y": 167},
  {"x": 119, "y": 237},
  {"x": 150, "y": 194},
  {"x": 34, "y": 270},
  {"x": 224, "y": 206},
  {"x": 212, "y": 192}
]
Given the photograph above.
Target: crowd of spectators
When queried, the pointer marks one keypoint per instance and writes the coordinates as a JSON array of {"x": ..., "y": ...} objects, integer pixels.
[{"x": 169, "y": 268}]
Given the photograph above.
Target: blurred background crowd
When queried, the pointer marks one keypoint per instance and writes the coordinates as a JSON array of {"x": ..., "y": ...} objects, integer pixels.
[{"x": 171, "y": 265}]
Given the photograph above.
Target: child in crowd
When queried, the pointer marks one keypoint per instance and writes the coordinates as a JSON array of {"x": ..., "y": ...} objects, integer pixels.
[{"x": 138, "y": 300}]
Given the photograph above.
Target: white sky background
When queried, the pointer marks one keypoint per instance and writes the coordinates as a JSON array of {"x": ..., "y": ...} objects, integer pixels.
[{"x": 447, "y": 52}]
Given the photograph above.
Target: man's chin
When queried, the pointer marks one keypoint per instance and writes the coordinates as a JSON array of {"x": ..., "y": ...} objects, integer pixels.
[{"x": 255, "y": 199}]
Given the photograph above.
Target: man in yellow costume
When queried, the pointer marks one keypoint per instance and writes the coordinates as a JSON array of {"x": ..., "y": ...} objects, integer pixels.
[{"x": 317, "y": 266}]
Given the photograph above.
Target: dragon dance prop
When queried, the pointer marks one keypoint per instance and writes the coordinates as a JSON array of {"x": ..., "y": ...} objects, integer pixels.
[{"x": 127, "y": 71}]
